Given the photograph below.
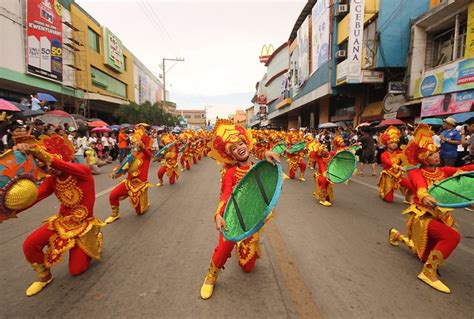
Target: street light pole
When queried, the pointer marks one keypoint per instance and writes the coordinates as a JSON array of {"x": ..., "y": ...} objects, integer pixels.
[{"x": 164, "y": 77}]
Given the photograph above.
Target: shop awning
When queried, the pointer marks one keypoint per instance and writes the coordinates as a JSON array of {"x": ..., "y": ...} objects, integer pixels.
[{"x": 372, "y": 110}]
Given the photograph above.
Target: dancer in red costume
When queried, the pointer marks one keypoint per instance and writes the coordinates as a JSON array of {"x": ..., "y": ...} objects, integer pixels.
[
  {"x": 135, "y": 186},
  {"x": 391, "y": 177},
  {"x": 430, "y": 229},
  {"x": 231, "y": 144},
  {"x": 187, "y": 153},
  {"x": 170, "y": 166},
  {"x": 295, "y": 160},
  {"x": 323, "y": 190},
  {"x": 74, "y": 228}
]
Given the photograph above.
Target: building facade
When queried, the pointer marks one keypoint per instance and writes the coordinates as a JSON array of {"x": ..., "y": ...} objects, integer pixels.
[
  {"x": 56, "y": 47},
  {"x": 194, "y": 118}
]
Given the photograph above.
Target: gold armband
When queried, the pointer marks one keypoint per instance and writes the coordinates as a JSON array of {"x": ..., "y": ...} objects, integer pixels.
[
  {"x": 41, "y": 154},
  {"x": 422, "y": 193}
]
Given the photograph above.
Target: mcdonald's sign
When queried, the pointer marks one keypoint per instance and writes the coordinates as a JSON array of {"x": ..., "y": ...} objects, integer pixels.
[{"x": 266, "y": 52}]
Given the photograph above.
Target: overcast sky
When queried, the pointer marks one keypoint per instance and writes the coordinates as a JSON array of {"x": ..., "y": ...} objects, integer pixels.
[{"x": 220, "y": 41}]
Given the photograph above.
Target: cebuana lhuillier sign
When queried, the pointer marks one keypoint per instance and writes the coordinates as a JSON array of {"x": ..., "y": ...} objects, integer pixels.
[{"x": 354, "y": 46}]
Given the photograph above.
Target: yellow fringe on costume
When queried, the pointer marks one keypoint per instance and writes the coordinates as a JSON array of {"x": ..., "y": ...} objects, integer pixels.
[
  {"x": 418, "y": 221},
  {"x": 72, "y": 230},
  {"x": 323, "y": 194},
  {"x": 389, "y": 180},
  {"x": 248, "y": 248},
  {"x": 137, "y": 192}
]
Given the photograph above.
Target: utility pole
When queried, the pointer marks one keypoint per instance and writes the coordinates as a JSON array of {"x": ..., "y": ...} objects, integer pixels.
[{"x": 164, "y": 77}]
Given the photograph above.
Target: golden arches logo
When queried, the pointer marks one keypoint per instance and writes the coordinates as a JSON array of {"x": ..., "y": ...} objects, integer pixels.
[{"x": 265, "y": 52}]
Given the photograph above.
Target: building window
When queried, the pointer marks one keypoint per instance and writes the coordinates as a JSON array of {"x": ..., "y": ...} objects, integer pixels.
[
  {"x": 443, "y": 45},
  {"x": 124, "y": 63},
  {"x": 198, "y": 116},
  {"x": 94, "y": 40},
  {"x": 106, "y": 82},
  {"x": 187, "y": 116}
]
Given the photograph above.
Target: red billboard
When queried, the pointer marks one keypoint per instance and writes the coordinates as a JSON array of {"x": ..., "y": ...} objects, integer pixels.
[{"x": 44, "y": 39}]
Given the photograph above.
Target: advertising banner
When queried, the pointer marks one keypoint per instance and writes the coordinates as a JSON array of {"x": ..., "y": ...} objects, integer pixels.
[
  {"x": 452, "y": 77},
  {"x": 113, "y": 55},
  {"x": 44, "y": 39},
  {"x": 303, "y": 51},
  {"x": 320, "y": 34},
  {"x": 447, "y": 104},
  {"x": 355, "y": 45}
]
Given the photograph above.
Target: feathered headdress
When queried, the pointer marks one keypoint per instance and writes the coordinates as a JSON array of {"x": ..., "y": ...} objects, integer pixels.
[
  {"x": 225, "y": 134},
  {"x": 391, "y": 135},
  {"x": 338, "y": 141},
  {"x": 422, "y": 145},
  {"x": 57, "y": 145}
]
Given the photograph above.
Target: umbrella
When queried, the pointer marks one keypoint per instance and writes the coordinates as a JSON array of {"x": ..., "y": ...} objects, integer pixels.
[
  {"x": 79, "y": 117},
  {"x": 389, "y": 122},
  {"x": 114, "y": 127},
  {"x": 363, "y": 124},
  {"x": 100, "y": 129},
  {"x": 125, "y": 125},
  {"x": 59, "y": 113},
  {"x": 432, "y": 121},
  {"x": 8, "y": 106},
  {"x": 25, "y": 111},
  {"x": 327, "y": 125},
  {"x": 462, "y": 117},
  {"x": 97, "y": 123},
  {"x": 46, "y": 97}
]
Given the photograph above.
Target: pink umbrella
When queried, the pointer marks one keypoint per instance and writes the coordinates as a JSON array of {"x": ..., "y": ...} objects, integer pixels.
[
  {"x": 101, "y": 129},
  {"x": 389, "y": 122},
  {"x": 7, "y": 106},
  {"x": 97, "y": 123}
]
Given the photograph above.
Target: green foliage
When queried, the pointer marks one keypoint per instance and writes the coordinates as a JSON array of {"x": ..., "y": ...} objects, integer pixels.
[{"x": 146, "y": 112}]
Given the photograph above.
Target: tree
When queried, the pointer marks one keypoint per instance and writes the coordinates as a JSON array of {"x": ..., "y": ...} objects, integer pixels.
[{"x": 146, "y": 113}]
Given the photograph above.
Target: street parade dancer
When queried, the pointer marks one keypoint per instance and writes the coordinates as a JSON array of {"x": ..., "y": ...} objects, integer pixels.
[
  {"x": 74, "y": 228},
  {"x": 391, "y": 177},
  {"x": 323, "y": 188},
  {"x": 338, "y": 143},
  {"x": 170, "y": 165},
  {"x": 295, "y": 159},
  {"x": 430, "y": 229},
  {"x": 231, "y": 144},
  {"x": 187, "y": 154},
  {"x": 135, "y": 186}
]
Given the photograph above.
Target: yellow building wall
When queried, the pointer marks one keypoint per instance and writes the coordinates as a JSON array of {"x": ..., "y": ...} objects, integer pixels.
[
  {"x": 82, "y": 22},
  {"x": 372, "y": 8}
]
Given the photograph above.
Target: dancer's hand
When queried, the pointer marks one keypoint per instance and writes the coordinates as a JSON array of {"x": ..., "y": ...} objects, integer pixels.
[
  {"x": 272, "y": 157},
  {"x": 429, "y": 201},
  {"x": 220, "y": 223}
]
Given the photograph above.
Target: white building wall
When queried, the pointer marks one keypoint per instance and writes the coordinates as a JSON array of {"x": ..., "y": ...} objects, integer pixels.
[
  {"x": 12, "y": 52},
  {"x": 418, "y": 57},
  {"x": 147, "y": 87},
  {"x": 280, "y": 61},
  {"x": 69, "y": 73}
]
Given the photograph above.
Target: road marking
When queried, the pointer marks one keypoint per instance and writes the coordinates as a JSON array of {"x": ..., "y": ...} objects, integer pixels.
[
  {"x": 105, "y": 191},
  {"x": 299, "y": 293},
  {"x": 460, "y": 246}
]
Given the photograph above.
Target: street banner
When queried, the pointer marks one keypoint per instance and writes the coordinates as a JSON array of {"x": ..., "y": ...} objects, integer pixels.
[
  {"x": 450, "y": 103},
  {"x": 320, "y": 34},
  {"x": 303, "y": 52},
  {"x": 451, "y": 77},
  {"x": 44, "y": 39},
  {"x": 113, "y": 51},
  {"x": 355, "y": 45}
]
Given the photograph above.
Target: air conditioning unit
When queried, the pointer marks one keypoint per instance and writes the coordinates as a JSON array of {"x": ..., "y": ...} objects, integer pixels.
[
  {"x": 341, "y": 54},
  {"x": 342, "y": 8}
]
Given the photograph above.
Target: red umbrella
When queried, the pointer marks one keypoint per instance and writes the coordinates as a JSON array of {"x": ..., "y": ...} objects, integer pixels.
[
  {"x": 58, "y": 113},
  {"x": 101, "y": 129},
  {"x": 389, "y": 122},
  {"x": 97, "y": 123},
  {"x": 7, "y": 106}
]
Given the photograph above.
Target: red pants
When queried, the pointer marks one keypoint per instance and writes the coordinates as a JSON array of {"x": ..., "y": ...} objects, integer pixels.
[
  {"x": 161, "y": 173},
  {"x": 35, "y": 243},
  {"x": 441, "y": 237},
  {"x": 301, "y": 165},
  {"x": 195, "y": 159},
  {"x": 119, "y": 193},
  {"x": 405, "y": 182},
  {"x": 184, "y": 162},
  {"x": 223, "y": 251}
]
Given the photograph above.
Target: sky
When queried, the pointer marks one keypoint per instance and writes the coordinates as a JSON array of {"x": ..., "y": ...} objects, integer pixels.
[{"x": 219, "y": 40}]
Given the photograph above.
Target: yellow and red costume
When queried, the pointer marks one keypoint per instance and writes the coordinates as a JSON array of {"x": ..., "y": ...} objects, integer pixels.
[
  {"x": 338, "y": 143},
  {"x": 295, "y": 160},
  {"x": 323, "y": 188},
  {"x": 391, "y": 177},
  {"x": 170, "y": 166},
  {"x": 225, "y": 134},
  {"x": 430, "y": 230},
  {"x": 74, "y": 228},
  {"x": 310, "y": 145},
  {"x": 187, "y": 154},
  {"x": 136, "y": 185}
]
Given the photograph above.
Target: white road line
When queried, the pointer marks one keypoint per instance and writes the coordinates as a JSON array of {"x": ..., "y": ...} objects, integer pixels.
[
  {"x": 460, "y": 246},
  {"x": 104, "y": 192}
]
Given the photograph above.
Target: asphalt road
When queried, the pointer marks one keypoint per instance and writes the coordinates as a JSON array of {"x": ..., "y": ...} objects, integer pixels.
[{"x": 317, "y": 262}]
